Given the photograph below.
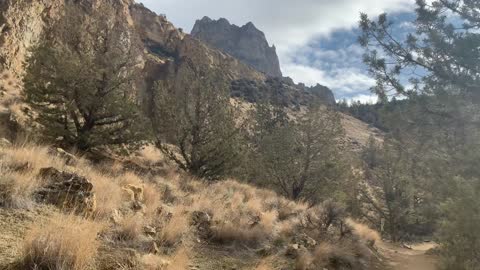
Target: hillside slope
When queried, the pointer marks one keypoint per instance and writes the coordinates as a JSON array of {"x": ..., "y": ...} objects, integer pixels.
[{"x": 144, "y": 219}]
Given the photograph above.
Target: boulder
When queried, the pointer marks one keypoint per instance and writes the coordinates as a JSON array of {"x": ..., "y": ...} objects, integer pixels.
[{"x": 69, "y": 192}]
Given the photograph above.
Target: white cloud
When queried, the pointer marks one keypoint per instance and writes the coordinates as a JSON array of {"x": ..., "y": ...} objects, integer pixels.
[
  {"x": 371, "y": 99},
  {"x": 345, "y": 81},
  {"x": 286, "y": 22},
  {"x": 291, "y": 25}
]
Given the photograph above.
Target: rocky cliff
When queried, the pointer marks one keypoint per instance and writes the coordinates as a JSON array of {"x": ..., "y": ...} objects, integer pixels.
[
  {"x": 165, "y": 50},
  {"x": 246, "y": 43}
]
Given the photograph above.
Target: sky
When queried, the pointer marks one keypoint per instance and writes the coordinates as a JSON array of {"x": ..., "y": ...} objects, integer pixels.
[{"x": 316, "y": 40}]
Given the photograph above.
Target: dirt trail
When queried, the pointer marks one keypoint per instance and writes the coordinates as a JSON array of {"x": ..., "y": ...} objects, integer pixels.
[{"x": 401, "y": 258}]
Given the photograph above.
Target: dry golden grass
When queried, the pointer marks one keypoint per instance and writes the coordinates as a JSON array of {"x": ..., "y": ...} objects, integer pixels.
[
  {"x": 264, "y": 265},
  {"x": 369, "y": 236},
  {"x": 151, "y": 198},
  {"x": 240, "y": 214},
  {"x": 150, "y": 155},
  {"x": 16, "y": 189},
  {"x": 180, "y": 260},
  {"x": 19, "y": 167},
  {"x": 153, "y": 262},
  {"x": 30, "y": 158},
  {"x": 108, "y": 193},
  {"x": 130, "y": 228},
  {"x": 176, "y": 227},
  {"x": 65, "y": 242}
]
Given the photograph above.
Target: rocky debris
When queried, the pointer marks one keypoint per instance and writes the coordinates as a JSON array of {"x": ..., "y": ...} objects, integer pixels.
[
  {"x": 246, "y": 43},
  {"x": 67, "y": 191}
]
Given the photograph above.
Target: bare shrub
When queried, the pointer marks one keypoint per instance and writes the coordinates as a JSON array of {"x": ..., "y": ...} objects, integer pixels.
[
  {"x": 369, "y": 236},
  {"x": 16, "y": 189},
  {"x": 130, "y": 228},
  {"x": 19, "y": 167},
  {"x": 66, "y": 242},
  {"x": 107, "y": 192},
  {"x": 176, "y": 227}
]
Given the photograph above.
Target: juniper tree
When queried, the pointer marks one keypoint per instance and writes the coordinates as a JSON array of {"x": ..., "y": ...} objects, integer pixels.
[
  {"x": 192, "y": 111},
  {"x": 442, "y": 120},
  {"x": 80, "y": 80},
  {"x": 300, "y": 157}
]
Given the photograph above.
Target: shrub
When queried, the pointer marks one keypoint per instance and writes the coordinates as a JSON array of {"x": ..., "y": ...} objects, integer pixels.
[
  {"x": 16, "y": 190},
  {"x": 130, "y": 228},
  {"x": 366, "y": 234},
  {"x": 64, "y": 243}
]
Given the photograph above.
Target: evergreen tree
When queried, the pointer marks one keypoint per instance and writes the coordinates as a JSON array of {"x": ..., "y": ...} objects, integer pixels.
[
  {"x": 194, "y": 113},
  {"x": 300, "y": 157},
  {"x": 441, "y": 117},
  {"x": 80, "y": 80}
]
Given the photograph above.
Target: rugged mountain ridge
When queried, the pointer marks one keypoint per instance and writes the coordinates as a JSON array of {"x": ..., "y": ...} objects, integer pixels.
[{"x": 245, "y": 43}]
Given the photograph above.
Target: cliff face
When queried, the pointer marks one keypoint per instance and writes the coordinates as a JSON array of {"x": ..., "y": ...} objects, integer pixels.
[
  {"x": 246, "y": 43},
  {"x": 165, "y": 49}
]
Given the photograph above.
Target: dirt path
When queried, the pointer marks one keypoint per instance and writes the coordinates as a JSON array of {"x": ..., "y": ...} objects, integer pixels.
[{"x": 415, "y": 258}]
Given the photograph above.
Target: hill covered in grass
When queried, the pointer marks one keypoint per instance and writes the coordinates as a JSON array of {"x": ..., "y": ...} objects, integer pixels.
[{"x": 163, "y": 219}]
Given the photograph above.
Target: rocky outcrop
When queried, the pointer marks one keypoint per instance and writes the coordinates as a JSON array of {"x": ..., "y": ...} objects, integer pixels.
[
  {"x": 167, "y": 45},
  {"x": 67, "y": 191},
  {"x": 246, "y": 43},
  {"x": 165, "y": 49}
]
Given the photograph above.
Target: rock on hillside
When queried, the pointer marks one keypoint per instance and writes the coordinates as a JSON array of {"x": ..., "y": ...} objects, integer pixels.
[{"x": 246, "y": 43}]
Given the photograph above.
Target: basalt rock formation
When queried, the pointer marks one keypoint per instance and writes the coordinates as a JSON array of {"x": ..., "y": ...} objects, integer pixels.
[
  {"x": 246, "y": 43},
  {"x": 165, "y": 49}
]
